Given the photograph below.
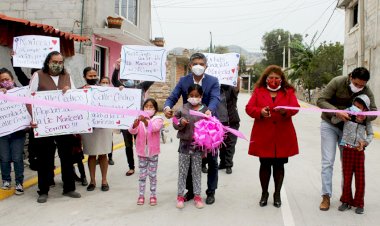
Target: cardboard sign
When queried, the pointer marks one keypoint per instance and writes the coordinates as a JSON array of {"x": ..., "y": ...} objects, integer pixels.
[
  {"x": 53, "y": 121},
  {"x": 115, "y": 98},
  {"x": 14, "y": 116},
  {"x": 224, "y": 67},
  {"x": 31, "y": 50},
  {"x": 146, "y": 63}
]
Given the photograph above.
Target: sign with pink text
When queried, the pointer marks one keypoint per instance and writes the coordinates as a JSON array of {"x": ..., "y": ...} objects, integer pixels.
[
  {"x": 14, "y": 116},
  {"x": 52, "y": 121},
  {"x": 129, "y": 99},
  {"x": 224, "y": 67},
  {"x": 146, "y": 63},
  {"x": 31, "y": 50}
]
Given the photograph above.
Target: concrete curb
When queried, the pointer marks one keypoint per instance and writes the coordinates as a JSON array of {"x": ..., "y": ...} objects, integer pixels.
[{"x": 34, "y": 180}]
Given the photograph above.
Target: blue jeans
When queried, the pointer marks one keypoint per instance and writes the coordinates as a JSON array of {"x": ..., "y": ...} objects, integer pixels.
[
  {"x": 12, "y": 150},
  {"x": 330, "y": 138}
]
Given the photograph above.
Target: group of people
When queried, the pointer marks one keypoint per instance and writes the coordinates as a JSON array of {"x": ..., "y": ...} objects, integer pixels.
[{"x": 273, "y": 137}]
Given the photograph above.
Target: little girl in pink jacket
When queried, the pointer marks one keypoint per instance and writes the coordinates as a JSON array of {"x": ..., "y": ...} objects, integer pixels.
[{"x": 147, "y": 149}]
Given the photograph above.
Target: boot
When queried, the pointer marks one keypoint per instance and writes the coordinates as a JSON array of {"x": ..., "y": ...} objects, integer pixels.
[{"x": 325, "y": 204}]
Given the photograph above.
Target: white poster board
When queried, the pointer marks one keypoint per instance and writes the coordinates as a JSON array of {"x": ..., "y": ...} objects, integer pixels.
[
  {"x": 224, "y": 67},
  {"x": 146, "y": 63},
  {"x": 14, "y": 116},
  {"x": 53, "y": 121},
  {"x": 31, "y": 50},
  {"x": 113, "y": 97}
]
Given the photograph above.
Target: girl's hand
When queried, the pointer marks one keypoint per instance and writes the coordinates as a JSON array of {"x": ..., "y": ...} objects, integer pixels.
[
  {"x": 265, "y": 112},
  {"x": 33, "y": 125},
  {"x": 362, "y": 145},
  {"x": 3, "y": 90},
  {"x": 184, "y": 122},
  {"x": 135, "y": 123}
]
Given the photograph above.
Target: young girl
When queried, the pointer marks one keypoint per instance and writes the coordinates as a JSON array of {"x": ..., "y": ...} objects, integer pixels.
[
  {"x": 148, "y": 148},
  {"x": 187, "y": 151},
  {"x": 12, "y": 145}
]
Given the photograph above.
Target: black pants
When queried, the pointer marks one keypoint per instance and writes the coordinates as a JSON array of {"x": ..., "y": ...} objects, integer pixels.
[
  {"x": 227, "y": 151},
  {"x": 212, "y": 175},
  {"x": 128, "y": 141},
  {"x": 32, "y": 155},
  {"x": 45, "y": 156}
]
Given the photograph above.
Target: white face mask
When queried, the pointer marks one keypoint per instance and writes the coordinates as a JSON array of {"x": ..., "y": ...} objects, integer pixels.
[
  {"x": 150, "y": 112},
  {"x": 355, "y": 89},
  {"x": 273, "y": 90},
  {"x": 198, "y": 70},
  {"x": 194, "y": 101}
]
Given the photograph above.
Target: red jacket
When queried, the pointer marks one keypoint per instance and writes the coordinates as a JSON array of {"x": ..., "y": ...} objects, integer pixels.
[{"x": 273, "y": 137}]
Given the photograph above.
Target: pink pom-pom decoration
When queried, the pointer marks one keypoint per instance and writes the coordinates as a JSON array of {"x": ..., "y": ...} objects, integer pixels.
[{"x": 209, "y": 134}]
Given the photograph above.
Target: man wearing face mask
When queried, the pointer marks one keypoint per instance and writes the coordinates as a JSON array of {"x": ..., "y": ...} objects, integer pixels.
[
  {"x": 211, "y": 98},
  {"x": 53, "y": 76},
  {"x": 338, "y": 95},
  {"x": 128, "y": 139}
]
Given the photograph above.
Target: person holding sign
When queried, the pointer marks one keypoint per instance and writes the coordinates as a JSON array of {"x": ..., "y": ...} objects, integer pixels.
[
  {"x": 53, "y": 76},
  {"x": 210, "y": 97},
  {"x": 12, "y": 145},
  {"x": 128, "y": 139},
  {"x": 97, "y": 143},
  {"x": 273, "y": 137}
]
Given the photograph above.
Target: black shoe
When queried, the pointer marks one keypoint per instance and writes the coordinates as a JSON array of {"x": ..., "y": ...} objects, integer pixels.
[
  {"x": 105, "y": 187},
  {"x": 221, "y": 166},
  {"x": 359, "y": 210},
  {"x": 111, "y": 162},
  {"x": 277, "y": 200},
  {"x": 188, "y": 196},
  {"x": 210, "y": 199},
  {"x": 77, "y": 179},
  {"x": 344, "y": 207},
  {"x": 264, "y": 199},
  {"x": 204, "y": 169},
  {"x": 91, "y": 187},
  {"x": 84, "y": 182},
  {"x": 228, "y": 170}
]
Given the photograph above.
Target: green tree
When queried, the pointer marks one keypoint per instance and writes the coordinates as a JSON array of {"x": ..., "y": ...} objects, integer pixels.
[{"x": 273, "y": 45}]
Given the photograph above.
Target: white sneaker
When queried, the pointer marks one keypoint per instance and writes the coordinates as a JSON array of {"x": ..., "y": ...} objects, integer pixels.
[
  {"x": 19, "y": 189},
  {"x": 6, "y": 185}
]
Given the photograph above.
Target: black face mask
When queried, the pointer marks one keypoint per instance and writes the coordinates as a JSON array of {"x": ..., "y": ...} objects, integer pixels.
[{"x": 91, "y": 82}]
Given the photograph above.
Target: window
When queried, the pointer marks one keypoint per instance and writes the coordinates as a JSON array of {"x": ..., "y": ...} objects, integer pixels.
[
  {"x": 127, "y": 9},
  {"x": 355, "y": 15}
]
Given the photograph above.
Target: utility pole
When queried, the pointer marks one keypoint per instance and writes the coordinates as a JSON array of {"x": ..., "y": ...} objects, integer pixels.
[
  {"x": 289, "y": 63},
  {"x": 210, "y": 49},
  {"x": 283, "y": 58}
]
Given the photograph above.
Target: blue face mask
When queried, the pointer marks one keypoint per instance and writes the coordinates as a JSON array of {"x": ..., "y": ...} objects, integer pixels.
[
  {"x": 353, "y": 108},
  {"x": 129, "y": 83}
]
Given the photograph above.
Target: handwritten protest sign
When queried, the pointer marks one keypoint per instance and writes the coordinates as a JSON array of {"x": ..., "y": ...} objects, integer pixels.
[
  {"x": 14, "y": 116},
  {"x": 113, "y": 97},
  {"x": 145, "y": 63},
  {"x": 224, "y": 67},
  {"x": 59, "y": 121},
  {"x": 31, "y": 50}
]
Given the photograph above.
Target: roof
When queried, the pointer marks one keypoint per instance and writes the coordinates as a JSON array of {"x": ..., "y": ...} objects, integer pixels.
[{"x": 11, "y": 27}]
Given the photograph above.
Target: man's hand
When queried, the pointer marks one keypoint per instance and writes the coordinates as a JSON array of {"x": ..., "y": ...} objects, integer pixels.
[
  {"x": 265, "y": 112},
  {"x": 343, "y": 116},
  {"x": 168, "y": 113},
  {"x": 208, "y": 113},
  {"x": 121, "y": 88}
]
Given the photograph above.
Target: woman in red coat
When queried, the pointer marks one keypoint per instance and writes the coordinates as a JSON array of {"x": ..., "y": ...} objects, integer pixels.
[{"x": 273, "y": 137}]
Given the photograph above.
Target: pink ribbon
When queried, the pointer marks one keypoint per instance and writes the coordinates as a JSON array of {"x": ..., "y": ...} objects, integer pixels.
[
  {"x": 72, "y": 106},
  {"x": 233, "y": 131},
  {"x": 315, "y": 109}
]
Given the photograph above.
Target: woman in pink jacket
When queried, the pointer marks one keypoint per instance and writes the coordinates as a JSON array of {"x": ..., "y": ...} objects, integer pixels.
[{"x": 148, "y": 148}]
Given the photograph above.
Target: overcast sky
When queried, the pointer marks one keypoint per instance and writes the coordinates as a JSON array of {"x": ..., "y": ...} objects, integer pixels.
[{"x": 188, "y": 23}]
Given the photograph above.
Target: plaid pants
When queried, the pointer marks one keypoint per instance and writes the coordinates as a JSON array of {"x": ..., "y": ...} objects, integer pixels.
[{"x": 353, "y": 162}]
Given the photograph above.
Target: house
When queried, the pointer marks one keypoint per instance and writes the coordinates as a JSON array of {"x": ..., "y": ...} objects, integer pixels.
[
  {"x": 362, "y": 39},
  {"x": 96, "y": 19}
]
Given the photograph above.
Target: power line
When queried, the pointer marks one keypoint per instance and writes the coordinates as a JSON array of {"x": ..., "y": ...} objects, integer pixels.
[{"x": 328, "y": 21}]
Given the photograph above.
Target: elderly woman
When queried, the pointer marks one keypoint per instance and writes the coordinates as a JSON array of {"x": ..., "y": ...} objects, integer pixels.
[{"x": 273, "y": 137}]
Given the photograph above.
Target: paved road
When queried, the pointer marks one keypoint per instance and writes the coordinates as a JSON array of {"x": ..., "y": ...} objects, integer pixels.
[{"x": 236, "y": 198}]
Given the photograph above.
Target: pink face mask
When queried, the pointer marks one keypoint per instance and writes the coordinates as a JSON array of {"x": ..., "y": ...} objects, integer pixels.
[
  {"x": 7, "y": 84},
  {"x": 150, "y": 112}
]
